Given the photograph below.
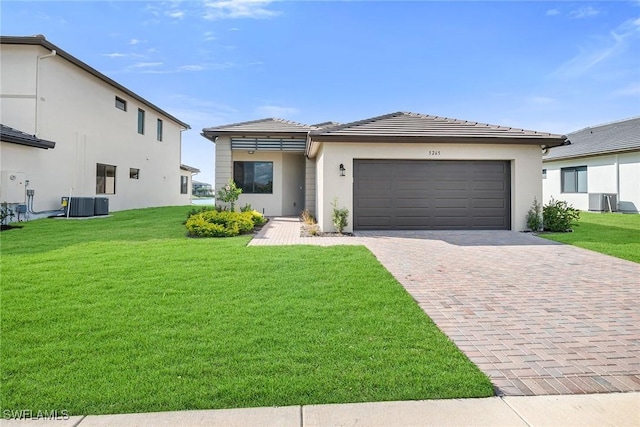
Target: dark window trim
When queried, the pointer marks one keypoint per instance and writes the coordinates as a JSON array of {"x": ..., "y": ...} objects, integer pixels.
[
  {"x": 134, "y": 173},
  {"x": 101, "y": 179},
  {"x": 184, "y": 184},
  {"x": 123, "y": 103},
  {"x": 141, "y": 119},
  {"x": 240, "y": 172},
  {"x": 575, "y": 170},
  {"x": 159, "y": 130}
]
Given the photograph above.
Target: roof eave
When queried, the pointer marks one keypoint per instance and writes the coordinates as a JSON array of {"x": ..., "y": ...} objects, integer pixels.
[
  {"x": 41, "y": 41},
  {"x": 212, "y": 134},
  {"x": 41, "y": 143},
  {"x": 542, "y": 141},
  {"x": 600, "y": 153}
]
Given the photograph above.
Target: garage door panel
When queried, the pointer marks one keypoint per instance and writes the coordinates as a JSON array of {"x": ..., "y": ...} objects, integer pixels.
[{"x": 426, "y": 194}]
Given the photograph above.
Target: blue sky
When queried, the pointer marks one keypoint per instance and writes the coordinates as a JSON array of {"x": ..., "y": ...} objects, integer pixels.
[{"x": 548, "y": 66}]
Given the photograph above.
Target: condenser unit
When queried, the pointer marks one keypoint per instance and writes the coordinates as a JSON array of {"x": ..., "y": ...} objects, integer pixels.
[
  {"x": 101, "y": 206},
  {"x": 603, "y": 202},
  {"x": 79, "y": 206}
]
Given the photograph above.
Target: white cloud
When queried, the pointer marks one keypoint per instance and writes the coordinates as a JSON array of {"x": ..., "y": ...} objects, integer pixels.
[
  {"x": 225, "y": 9},
  {"x": 584, "y": 12},
  {"x": 191, "y": 68},
  {"x": 114, "y": 55},
  {"x": 208, "y": 36},
  {"x": 541, "y": 100},
  {"x": 146, "y": 64},
  {"x": 601, "y": 50},
  {"x": 275, "y": 111},
  {"x": 134, "y": 41},
  {"x": 553, "y": 12},
  {"x": 176, "y": 14}
]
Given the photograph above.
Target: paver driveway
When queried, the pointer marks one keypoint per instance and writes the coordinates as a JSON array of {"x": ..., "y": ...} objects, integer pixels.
[{"x": 538, "y": 317}]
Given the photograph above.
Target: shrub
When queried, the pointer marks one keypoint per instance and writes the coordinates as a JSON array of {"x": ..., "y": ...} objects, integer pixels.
[
  {"x": 212, "y": 223},
  {"x": 258, "y": 218},
  {"x": 558, "y": 216},
  {"x": 6, "y": 213},
  {"x": 246, "y": 208},
  {"x": 307, "y": 218},
  {"x": 534, "y": 216},
  {"x": 230, "y": 193},
  {"x": 340, "y": 216}
]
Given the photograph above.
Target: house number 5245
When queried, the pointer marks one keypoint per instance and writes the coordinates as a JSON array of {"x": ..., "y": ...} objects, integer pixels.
[{"x": 434, "y": 152}]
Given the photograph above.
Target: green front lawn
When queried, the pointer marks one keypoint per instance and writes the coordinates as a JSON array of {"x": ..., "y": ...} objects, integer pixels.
[
  {"x": 126, "y": 314},
  {"x": 610, "y": 233}
]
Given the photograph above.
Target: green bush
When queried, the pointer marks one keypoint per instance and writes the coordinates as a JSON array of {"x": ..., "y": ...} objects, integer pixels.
[
  {"x": 212, "y": 223},
  {"x": 340, "y": 216},
  {"x": 557, "y": 216},
  {"x": 258, "y": 218},
  {"x": 534, "y": 216}
]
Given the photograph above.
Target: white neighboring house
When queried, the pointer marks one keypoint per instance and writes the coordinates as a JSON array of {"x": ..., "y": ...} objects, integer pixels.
[
  {"x": 598, "y": 170},
  {"x": 109, "y": 141}
]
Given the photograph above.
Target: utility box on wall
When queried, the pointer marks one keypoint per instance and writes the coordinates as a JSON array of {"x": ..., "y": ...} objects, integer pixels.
[
  {"x": 603, "y": 202},
  {"x": 13, "y": 187}
]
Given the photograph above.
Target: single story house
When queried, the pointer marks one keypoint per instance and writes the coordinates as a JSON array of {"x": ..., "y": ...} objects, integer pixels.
[
  {"x": 397, "y": 171},
  {"x": 599, "y": 171}
]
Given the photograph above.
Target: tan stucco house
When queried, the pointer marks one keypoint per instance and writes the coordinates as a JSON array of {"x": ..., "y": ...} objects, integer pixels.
[{"x": 396, "y": 171}]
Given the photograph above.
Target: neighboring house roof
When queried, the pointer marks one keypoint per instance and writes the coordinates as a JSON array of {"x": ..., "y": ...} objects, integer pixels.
[
  {"x": 412, "y": 127},
  {"x": 194, "y": 182},
  {"x": 9, "y": 134},
  {"x": 263, "y": 127},
  {"x": 189, "y": 169},
  {"x": 615, "y": 137},
  {"x": 40, "y": 40}
]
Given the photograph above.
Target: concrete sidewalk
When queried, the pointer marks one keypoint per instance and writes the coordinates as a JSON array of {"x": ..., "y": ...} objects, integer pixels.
[{"x": 614, "y": 409}]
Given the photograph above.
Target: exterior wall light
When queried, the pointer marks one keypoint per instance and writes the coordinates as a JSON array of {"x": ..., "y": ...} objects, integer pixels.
[
  {"x": 251, "y": 152},
  {"x": 342, "y": 169}
]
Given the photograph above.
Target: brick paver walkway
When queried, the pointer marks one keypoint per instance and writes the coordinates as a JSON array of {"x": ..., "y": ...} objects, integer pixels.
[{"x": 536, "y": 316}]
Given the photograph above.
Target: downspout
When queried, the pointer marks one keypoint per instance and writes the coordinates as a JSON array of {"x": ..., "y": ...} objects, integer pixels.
[
  {"x": 53, "y": 53},
  {"x": 617, "y": 184}
]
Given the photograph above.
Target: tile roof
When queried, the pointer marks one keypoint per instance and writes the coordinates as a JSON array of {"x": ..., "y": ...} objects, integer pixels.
[
  {"x": 9, "y": 134},
  {"x": 40, "y": 40},
  {"x": 615, "y": 137},
  {"x": 262, "y": 127},
  {"x": 405, "y": 124},
  {"x": 189, "y": 168}
]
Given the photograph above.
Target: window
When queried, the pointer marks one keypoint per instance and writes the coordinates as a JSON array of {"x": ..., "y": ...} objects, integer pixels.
[
  {"x": 121, "y": 104},
  {"x": 184, "y": 184},
  {"x": 574, "y": 180},
  {"x": 140, "y": 121},
  {"x": 105, "y": 179},
  {"x": 254, "y": 177},
  {"x": 159, "y": 136},
  {"x": 134, "y": 173},
  {"x": 544, "y": 174}
]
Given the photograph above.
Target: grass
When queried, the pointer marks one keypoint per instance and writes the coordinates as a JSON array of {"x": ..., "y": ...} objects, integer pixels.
[
  {"x": 126, "y": 314},
  {"x": 611, "y": 234}
]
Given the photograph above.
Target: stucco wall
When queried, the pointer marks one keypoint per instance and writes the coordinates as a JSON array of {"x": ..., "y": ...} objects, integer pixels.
[
  {"x": 77, "y": 111},
  {"x": 525, "y": 160},
  {"x": 614, "y": 173}
]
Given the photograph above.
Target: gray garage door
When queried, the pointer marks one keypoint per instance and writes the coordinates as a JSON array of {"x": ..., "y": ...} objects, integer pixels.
[{"x": 431, "y": 195}]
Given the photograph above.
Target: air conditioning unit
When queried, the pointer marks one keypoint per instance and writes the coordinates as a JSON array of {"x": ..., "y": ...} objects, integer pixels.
[
  {"x": 79, "y": 206},
  {"x": 101, "y": 206},
  {"x": 603, "y": 202}
]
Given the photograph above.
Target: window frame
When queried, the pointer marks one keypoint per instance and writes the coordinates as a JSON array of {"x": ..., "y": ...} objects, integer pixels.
[
  {"x": 141, "y": 120},
  {"x": 544, "y": 174},
  {"x": 184, "y": 184},
  {"x": 134, "y": 175},
  {"x": 159, "y": 126},
  {"x": 102, "y": 186},
  {"x": 250, "y": 188},
  {"x": 123, "y": 103},
  {"x": 579, "y": 177}
]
